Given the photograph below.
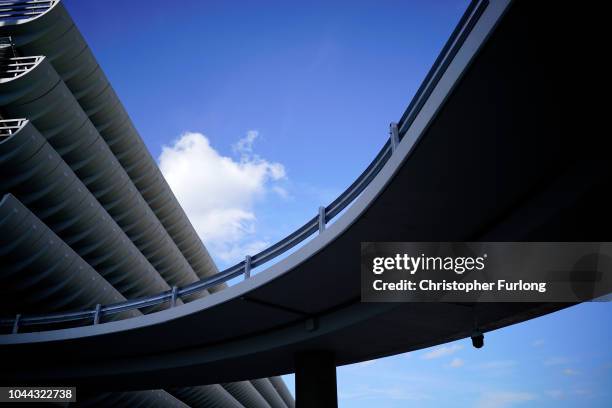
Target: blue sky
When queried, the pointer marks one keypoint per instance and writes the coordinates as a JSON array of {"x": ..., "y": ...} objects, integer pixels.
[
  {"x": 318, "y": 82},
  {"x": 259, "y": 112}
]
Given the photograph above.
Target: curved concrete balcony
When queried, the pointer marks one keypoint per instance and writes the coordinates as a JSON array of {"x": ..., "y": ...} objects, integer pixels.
[
  {"x": 40, "y": 93},
  {"x": 36, "y": 174},
  {"x": 17, "y": 12},
  {"x": 22, "y": 148},
  {"x": 207, "y": 395},
  {"x": 43, "y": 272},
  {"x": 13, "y": 67},
  {"x": 44, "y": 28},
  {"x": 267, "y": 390},
  {"x": 54, "y": 35}
]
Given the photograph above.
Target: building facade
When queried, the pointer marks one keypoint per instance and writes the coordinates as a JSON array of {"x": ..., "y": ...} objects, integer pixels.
[{"x": 86, "y": 216}]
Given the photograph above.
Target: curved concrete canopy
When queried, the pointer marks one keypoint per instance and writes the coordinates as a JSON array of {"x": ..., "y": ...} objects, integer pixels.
[
  {"x": 482, "y": 159},
  {"x": 267, "y": 390},
  {"x": 32, "y": 255},
  {"x": 36, "y": 174},
  {"x": 135, "y": 399},
  {"x": 63, "y": 107},
  {"x": 54, "y": 35},
  {"x": 214, "y": 396},
  {"x": 280, "y": 387},
  {"x": 40, "y": 95},
  {"x": 246, "y": 393}
]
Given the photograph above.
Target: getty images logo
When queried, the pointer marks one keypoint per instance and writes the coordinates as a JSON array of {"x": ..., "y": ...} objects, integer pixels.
[{"x": 413, "y": 264}]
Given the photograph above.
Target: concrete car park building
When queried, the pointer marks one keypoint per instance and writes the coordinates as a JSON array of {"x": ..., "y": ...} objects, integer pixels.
[
  {"x": 92, "y": 239},
  {"x": 86, "y": 217}
]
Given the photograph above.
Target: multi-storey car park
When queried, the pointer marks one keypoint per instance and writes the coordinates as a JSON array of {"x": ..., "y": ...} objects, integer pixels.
[
  {"x": 86, "y": 216},
  {"x": 482, "y": 153}
]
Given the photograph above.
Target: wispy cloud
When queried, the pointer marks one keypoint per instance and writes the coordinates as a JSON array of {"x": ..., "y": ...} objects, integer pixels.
[
  {"x": 244, "y": 146},
  {"x": 568, "y": 393},
  {"x": 442, "y": 351},
  {"x": 538, "y": 343},
  {"x": 219, "y": 193},
  {"x": 456, "y": 363},
  {"x": 504, "y": 399},
  {"x": 281, "y": 192}
]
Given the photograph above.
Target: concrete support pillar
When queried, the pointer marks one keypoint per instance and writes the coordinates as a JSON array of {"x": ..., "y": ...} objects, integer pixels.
[{"x": 315, "y": 380}]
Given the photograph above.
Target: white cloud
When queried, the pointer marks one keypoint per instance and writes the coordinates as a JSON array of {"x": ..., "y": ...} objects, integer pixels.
[
  {"x": 456, "y": 363},
  {"x": 504, "y": 399},
  {"x": 244, "y": 146},
  {"x": 538, "y": 343},
  {"x": 281, "y": 192},
  {"x": 219, "y": 193},
  {"x": 442, "y": 351}
]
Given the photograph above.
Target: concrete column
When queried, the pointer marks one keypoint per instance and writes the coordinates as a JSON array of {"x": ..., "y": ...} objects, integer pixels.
[{"x": 315, "y": 380}]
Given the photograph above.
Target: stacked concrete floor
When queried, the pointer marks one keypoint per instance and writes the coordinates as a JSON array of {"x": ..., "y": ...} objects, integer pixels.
[{"x": 86, "y": 217}]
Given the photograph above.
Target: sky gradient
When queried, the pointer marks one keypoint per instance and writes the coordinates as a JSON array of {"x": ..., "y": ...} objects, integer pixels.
[{"x": 259, "y": 112}]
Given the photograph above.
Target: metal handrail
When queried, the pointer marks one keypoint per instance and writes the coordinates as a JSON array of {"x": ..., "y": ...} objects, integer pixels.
[
  {"x": 397, "y": 131},
  {"x": 23, "y": 9},
  {"x": 14, "y": 66},
  {"x": 9, "y": 126}
]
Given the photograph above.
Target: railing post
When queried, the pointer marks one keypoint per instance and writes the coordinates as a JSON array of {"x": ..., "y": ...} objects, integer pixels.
[
  {"x": 394, "y": 135},
  {"x": 321, "y": 219},
  {"x": 174, "y": 296},
  {"x": 16, "y": 323},
  {"x": 247, "y": 267},
  {"x": 96, "y": 318}
]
